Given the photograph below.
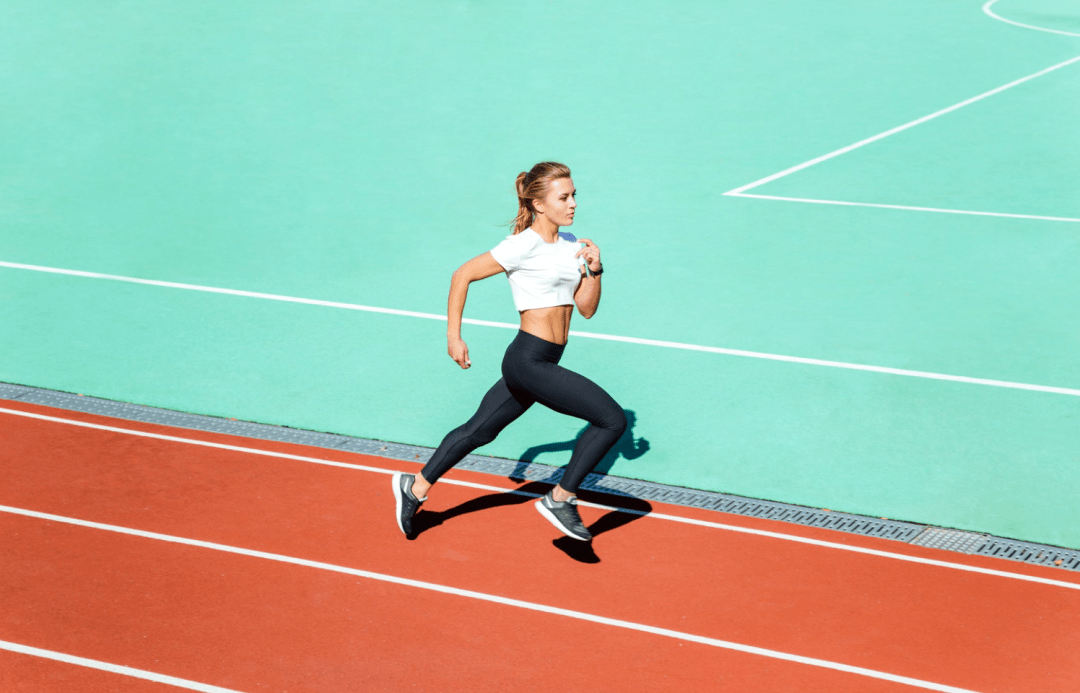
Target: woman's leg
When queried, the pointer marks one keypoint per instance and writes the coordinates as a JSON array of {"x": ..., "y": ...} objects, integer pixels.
[
  {"x": 499, "y": 407},
  {"x": 569, "y": 393}
]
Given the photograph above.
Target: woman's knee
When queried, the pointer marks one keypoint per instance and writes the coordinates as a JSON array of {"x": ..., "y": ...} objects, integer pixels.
[
  {"x": 615, "y": 421},
  {"x": 480, "y": 438},
  {"x": 481, "y": 433},
  {"x": 468, "y": 437}
]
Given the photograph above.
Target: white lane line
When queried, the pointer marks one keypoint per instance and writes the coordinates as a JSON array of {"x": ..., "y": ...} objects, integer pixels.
[
  {"x": 113, "y": 668},
  {"x": 835, "y": 364},
  {"x": 588, "y": 335},
  {"x": 901, "y": 128},
  {"x": 987, "y": 10},
  {"x": 469, "y": 484},
  {"x": 481, "y": 596},
  {"x": 247, "y": 294},
  {"x": 904, "y": 207}
]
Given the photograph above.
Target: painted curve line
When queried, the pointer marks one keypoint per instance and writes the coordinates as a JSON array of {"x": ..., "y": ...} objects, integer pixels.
[{"x": 986, "y": 9}]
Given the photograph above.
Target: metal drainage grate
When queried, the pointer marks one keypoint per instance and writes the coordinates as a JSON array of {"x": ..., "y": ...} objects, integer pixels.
[
  {"x": 770, "y": 510},
  {"x": 167, "y": 417},
  {"x": 935, "y": 537},
  {"x": 950, "y": 539},
  {"x": 1039, "y": 554},
  {"x": 647, "y": 490}
]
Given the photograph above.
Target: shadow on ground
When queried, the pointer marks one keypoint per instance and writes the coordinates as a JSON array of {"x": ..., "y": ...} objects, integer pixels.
[
  {"x": 626, "y": 447},
  {"x": 629, "y": 509}
]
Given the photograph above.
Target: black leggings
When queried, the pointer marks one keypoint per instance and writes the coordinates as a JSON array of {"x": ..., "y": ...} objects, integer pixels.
[{"x": 531, "y": 374}]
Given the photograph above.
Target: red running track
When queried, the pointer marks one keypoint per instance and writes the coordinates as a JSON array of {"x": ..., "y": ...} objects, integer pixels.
[{"x": 260, "y": 623}]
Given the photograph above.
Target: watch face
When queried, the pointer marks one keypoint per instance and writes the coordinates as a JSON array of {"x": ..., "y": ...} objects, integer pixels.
[{"x": 567, "y": 236}]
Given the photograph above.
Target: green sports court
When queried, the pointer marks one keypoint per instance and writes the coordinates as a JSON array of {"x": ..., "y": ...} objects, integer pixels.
[{"x": 841, "y": 239}]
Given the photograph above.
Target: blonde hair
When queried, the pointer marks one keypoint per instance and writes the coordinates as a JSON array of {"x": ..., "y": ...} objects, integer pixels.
[{"x": 534, "y": 185}]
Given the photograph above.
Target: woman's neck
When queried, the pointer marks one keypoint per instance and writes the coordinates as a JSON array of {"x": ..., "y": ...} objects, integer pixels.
[{"x": 546, "y": 229}]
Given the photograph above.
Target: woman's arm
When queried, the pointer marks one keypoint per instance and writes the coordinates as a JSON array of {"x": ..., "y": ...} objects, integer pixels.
[
  {"x": 480, "y": 267},
  {"x": 587, "y": 296}
]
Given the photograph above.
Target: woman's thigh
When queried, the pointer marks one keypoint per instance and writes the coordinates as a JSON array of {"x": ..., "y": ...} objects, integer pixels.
[
  {"x": 567, "y": 392},
  {"x": 499, "y": 408}
]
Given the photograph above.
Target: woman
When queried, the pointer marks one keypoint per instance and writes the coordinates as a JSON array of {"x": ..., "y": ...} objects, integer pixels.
[{"x": 547, "y": 278}]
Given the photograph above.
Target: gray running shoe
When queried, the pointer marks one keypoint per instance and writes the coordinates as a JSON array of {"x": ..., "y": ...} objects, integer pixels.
[
  {"x": 564, "y": 516},
  {"x": 407, "y": 503}
]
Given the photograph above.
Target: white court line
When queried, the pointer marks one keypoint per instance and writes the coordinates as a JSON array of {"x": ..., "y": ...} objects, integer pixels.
[
  {"x": 113, "y": 668},
  {"x": 986, "y": 9},
  {"x": 907, "y": 207},
  {"x": 862, "y": 143},
  {"x": 247, "y": 294},
  {"x": 481, "y": 596},
  {"x": 659, "y": 516},
  {"x": 589, "y": 335}
]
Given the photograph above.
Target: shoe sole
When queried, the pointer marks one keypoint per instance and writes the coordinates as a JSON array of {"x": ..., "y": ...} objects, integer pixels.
[
  {"x": 398, "y": 500},
  {"x": 555, "y": 521}
]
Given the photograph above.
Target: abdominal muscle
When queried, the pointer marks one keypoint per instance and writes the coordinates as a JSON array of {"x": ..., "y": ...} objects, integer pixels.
[{"x": 551, "y": 324}]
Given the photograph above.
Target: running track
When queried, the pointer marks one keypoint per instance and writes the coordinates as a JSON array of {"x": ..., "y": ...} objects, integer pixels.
[{"x": 310, "y": 606}]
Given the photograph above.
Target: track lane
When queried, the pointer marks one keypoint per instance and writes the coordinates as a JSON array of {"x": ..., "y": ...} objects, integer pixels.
[
  {"x": 865, "y": 611},
  {"x": 490, "y": 483},
  {"x": 252, "y": 625}
]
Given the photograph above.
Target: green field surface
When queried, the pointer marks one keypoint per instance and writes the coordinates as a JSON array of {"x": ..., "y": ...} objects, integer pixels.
[{"x": 358, "y": 153}]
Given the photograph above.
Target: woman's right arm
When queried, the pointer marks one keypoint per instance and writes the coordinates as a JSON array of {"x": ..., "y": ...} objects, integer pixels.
[{"x": 480, "y": 267}]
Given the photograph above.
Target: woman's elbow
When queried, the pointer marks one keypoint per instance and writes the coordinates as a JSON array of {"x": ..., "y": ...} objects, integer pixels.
[{"x": 460, "y": 276}]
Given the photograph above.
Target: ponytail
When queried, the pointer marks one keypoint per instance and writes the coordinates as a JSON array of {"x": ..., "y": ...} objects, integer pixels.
[{"x": 525, "y": 215}]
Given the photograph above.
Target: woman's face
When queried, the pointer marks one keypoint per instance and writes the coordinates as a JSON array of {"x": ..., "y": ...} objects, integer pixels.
[{"x": 559, "y": 203}]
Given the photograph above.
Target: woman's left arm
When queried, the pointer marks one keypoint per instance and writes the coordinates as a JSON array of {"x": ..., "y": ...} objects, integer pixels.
[{"x": 587, "y": 296}]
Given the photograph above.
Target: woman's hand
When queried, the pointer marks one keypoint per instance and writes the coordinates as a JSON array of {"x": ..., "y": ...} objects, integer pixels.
[
  {"x": 587, "y": 295},
  {"x": 591, "y": 253},
  {"x": 455, "y": 346}
]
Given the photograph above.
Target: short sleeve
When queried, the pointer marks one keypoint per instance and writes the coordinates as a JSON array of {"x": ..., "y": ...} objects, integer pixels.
[{"x": 511, "y": 251}]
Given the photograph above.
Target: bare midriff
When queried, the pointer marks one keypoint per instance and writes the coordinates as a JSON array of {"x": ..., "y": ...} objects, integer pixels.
[{"x": 551, "y": 324}]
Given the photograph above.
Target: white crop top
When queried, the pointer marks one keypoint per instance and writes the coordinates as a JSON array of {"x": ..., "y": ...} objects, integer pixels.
[{"x": 541, "y": 274}]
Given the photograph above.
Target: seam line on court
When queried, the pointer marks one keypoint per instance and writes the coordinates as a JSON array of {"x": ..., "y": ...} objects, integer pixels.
[
  {"x": 481, "y": 596},
  {"x": 113, "y": 668},
  {"x": 659, "y": 516},
  {"x": 590, "y": 335}
]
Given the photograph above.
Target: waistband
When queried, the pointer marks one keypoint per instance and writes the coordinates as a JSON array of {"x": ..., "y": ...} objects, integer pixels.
[{"x": 530, "y": 342}]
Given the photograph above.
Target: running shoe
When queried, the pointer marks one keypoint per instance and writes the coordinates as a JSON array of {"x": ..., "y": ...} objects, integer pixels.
[
  {"x": 564, "y": 515},
  {"x": 407, "y": 503}
]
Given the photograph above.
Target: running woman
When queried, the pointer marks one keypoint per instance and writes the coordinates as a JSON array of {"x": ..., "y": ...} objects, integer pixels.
[{"x": 547, "y": 278}]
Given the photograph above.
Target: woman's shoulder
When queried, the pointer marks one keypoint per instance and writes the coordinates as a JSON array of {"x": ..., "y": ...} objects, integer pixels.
[
  {"x": 513, "y": 249},
  {"x": 523, "y": 240}
]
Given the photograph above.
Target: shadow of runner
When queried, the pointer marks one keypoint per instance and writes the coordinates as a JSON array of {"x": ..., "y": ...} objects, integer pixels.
[
  {"x": 634, "y": 509},
  {"x": 628, "y": 447},
  {"x": 427, "y": 519},
  {"x": 581, "y": 551}
]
